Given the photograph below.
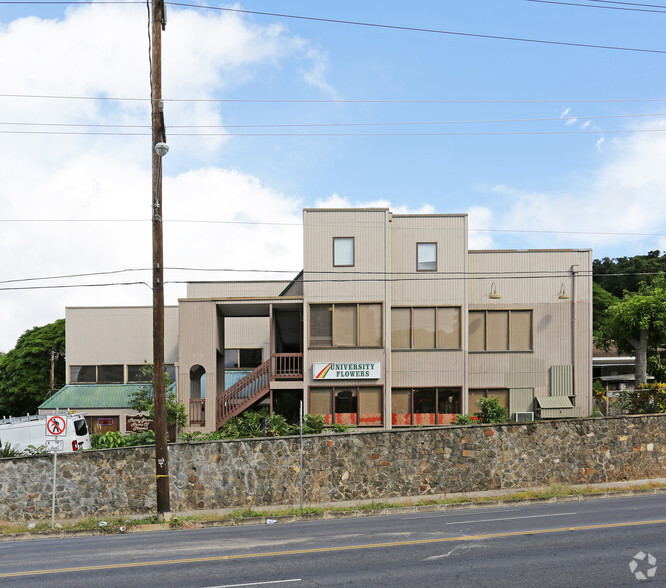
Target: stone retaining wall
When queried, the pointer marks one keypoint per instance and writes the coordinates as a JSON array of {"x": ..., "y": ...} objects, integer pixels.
[{"x": 359, "y": 465}]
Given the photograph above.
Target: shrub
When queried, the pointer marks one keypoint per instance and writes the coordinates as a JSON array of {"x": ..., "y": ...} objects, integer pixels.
[
  {"x": 464, "y": 419},
  {"x": 7, "y": 450},
  {"x": 491, "y": 411}
]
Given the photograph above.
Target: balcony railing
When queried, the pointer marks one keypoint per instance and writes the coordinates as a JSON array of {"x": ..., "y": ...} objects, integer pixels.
[
  {"x": 287, "y": 366},
  {"x": 197, "y": 411}
]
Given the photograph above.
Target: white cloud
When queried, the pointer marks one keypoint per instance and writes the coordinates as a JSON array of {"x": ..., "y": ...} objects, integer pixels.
[
  {"x": 624, "y": 195},
  {"x": 481, "y": 219},
  {"x": 102, "y": 50},
  {"x": 337, "y": 201}
]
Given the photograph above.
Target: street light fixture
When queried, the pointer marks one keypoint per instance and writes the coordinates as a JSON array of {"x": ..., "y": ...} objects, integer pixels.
[{"x": 161, "y": 149}]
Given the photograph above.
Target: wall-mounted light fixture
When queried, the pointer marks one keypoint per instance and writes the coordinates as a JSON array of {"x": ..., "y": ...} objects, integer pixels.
[
  {"x": 493, "y": 292},
  {"x": 563, "y": 293}
]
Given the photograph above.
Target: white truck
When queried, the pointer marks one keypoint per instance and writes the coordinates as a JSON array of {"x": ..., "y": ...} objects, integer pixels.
[{"x": 64, "y": 430}]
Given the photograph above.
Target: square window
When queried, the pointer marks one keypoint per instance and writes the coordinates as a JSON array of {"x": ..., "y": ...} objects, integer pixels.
[
  {"x": 343, "y": 251},
  {"x": 426, "y": 257}
]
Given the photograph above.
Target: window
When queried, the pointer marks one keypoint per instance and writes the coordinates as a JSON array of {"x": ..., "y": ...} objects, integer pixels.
[
  {"x": 425, "y": 328},
  {"x": 243, "y": 358},
  {"x": 343, "y": 251},
  {"x": 97, "y": 374},
  {"x": 348, "y": 405},
  {"x": 346, "y": 325},
  {"x": 500, "y": 330},
  {"x": 474, "y": 395},
  {"x": 426, "y": 257},
  {"x": 424, "y": 406},
  {"x": 142, "y": 372}
]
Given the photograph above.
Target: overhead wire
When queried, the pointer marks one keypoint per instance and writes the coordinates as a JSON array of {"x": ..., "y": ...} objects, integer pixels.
[
  {"x": 416, "y": 29},
  {"x": 366, "y": 24},
  {"x": 300, "y": 225},
  {"x": 622, "y": 8},
  {"x": 339, "y": 100},
  {"x": 564, "y": 119},
  {"x": 338, "y": 134}
]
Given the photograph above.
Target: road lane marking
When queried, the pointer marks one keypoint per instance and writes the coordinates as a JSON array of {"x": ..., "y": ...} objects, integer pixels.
[
  {"x": 450, "y": 514},
  {"x": 329, "y": 549},
  {"x": 558, "y": 514},
  {"x": 258, "y": 583}
]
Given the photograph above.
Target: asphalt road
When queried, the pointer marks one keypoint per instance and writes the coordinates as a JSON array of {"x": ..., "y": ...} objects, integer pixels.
[{"x": 602, "y": 542}]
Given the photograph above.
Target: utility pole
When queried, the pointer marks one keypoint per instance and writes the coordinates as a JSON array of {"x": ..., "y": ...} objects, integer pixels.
[{"x": 159, "y": 392}]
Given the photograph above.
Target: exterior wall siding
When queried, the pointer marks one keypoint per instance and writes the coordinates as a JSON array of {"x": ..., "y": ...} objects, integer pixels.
[
  {"x": 235, "y": 289},
  {"x": 117, "y": 335}
]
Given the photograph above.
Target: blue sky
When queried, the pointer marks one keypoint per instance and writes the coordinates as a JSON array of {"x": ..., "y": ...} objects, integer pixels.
[{"x": 517, "y": 134}]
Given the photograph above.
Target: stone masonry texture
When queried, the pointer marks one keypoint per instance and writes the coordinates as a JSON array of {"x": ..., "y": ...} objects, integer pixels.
[{"x": 338, "y": 467}]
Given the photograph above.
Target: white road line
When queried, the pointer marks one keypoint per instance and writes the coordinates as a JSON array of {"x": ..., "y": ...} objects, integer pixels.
[
  {"x": 560, "y": 514},
  {"x": 258, "y": 583},
  {"x": 449, "y": 514}
]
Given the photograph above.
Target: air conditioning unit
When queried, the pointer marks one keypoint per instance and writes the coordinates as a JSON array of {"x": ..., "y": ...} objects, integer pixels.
[{"x": 523, "y": 417}]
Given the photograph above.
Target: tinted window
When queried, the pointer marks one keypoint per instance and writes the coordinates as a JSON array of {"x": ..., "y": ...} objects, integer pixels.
[{"x": 80, "y": 427}]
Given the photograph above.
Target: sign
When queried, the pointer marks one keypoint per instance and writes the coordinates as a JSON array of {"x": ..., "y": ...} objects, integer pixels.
[
  {"x": 54, "y": 445},
  {"x": 369, "y": 370},
  {"x": 138, "y": 423},
  {"x": 56, "y": 425}
]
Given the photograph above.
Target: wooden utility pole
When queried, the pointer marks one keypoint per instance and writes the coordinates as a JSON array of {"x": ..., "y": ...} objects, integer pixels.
[{"x": 158, "y": 136}]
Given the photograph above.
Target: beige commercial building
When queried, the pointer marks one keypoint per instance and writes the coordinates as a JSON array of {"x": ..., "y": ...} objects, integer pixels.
[{"x": 392, "y": 322}]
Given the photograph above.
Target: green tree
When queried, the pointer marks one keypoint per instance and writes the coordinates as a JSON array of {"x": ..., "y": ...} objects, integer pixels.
[
  {"x": 602, "y": 300},
  {"x": 637, "y": 324},
  {"x": 143, "y": 400},
  {"x": 626, "y": 274},
  {"x": 25, "y": 371}
]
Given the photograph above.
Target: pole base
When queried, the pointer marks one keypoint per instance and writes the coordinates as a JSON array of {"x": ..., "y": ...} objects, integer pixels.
[{"x": 164, "y": 517}]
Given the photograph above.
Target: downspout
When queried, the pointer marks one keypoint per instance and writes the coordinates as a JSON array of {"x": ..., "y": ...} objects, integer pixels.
[
  {"x": 573, "y": 330},
  {"x": 388, "y": 302}
]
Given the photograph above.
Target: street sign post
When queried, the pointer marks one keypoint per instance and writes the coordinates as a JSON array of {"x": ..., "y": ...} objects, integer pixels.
[{"x": 56, "y": 425}]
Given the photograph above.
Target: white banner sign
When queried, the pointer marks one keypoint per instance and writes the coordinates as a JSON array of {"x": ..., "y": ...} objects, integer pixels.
[{"x": 369, "y": 370}]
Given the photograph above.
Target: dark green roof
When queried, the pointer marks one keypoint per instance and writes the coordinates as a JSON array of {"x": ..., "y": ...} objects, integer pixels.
[{"x": 78, "y": 396}]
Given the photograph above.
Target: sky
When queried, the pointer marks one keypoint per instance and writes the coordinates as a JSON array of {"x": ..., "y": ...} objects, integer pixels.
[{"x": 545, "y": 122}]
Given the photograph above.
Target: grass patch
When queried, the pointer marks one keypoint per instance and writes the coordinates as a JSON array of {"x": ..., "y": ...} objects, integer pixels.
[{"x": 116, "y": 524}]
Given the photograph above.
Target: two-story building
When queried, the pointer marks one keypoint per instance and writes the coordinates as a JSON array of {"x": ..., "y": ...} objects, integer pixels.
[{"x": 392, "y": 322}]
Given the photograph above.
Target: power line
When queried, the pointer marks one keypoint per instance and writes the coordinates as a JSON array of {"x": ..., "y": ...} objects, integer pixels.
[
  {"x": 300, "y": 226},
  {"x": 338, "y": 101},
  {"x": 370, "y": 25},
  {"x": 418, "y": 29},
  {"x": 564, "y": 119},
  {"x": 408, "y": 134},
  {"x": 596, "y": 6}
]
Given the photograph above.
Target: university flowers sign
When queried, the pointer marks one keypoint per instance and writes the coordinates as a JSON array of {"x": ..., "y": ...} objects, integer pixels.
[{"x": 346, "y": 371}]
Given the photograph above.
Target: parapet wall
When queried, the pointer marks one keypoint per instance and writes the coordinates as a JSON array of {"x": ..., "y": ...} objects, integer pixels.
[{"x": 359, "y": 465}]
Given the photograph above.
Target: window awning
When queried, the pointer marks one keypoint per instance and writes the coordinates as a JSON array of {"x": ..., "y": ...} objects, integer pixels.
[{"x": 554, "y": 402}]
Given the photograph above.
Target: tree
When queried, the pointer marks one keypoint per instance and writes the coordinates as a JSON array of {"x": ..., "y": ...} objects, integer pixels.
[
  {"x": 143, "y": 401},
  {"x": 601, "y": 301},
  {"x": 637, "y": 324},
  {"x": 617, "y": 275},
  {"x": 25, "y": 371}
]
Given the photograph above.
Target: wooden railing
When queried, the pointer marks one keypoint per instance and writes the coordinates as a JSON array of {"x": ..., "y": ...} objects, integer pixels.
[
  {"x": 287, "y": 366},
  {"x": 197, "y": 411},
  {"x": 243, "y": 393}
]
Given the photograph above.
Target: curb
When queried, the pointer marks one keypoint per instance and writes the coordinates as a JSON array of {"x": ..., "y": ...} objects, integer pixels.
[{"x": 263, "y": 519}]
